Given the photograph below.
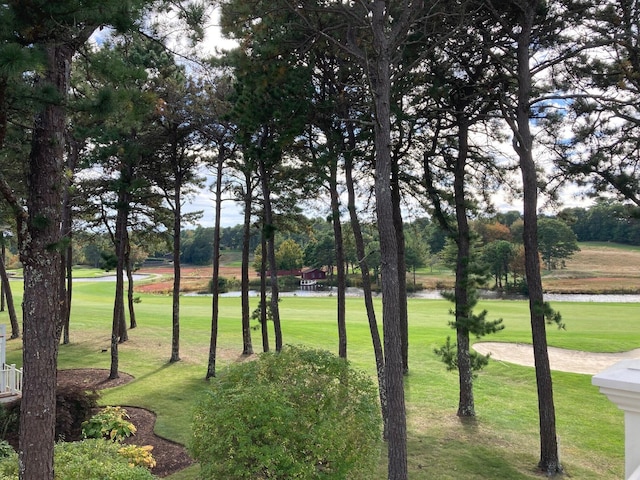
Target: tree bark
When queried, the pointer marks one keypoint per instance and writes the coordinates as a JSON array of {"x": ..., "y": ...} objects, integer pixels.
[
  {"x": 402, "y": 267},
  {"x": 264, "y": 324},
  {"x": 381, "y": 90},
  {"x": 340, "y": 262},
  {"x": 215, "y": 286},
  {"x": 269, "y": 229},
  {"x": 11, "y": 309},
  {"x": 39, "y": 246},
  {"x": 66, "y": 279},
  {"x": 3, "y": 255},
  {"x": 177, "y": 271},
  {"x": 247, "y": 346},
  {"x": 366, "y": 281},
  {"x": 120, "y": 240},
  {"x": 466, "y": 404},
  {"x": 130, "y": 294},
  {"x": 523, "y": 143}
]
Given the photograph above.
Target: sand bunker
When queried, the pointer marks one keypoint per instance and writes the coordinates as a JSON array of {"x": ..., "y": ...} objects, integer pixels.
[{"x": 560, "y": 359}]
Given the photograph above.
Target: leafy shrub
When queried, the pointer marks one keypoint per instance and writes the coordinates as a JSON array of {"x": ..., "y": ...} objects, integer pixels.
[
  {"x": 95, "y": 458},
  {"x": 294, "y": 414},
  {"x": 9, "y": 418},
  {"x": 225, "y": 285},
  {"x": 73, "y": 407},
  {"x": 138, "y": 456},
  {"x": 111, "y": 423},
  {"x": 85, "y": 460},
  {"x": 6, "y": 450}
]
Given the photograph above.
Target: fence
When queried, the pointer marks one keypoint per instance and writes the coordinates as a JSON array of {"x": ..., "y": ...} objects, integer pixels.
[{"x": 10, "y": 380}]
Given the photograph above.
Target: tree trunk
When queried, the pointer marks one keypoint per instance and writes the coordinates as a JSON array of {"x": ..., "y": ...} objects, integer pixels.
[
  {"x": 264, "y": 324},
  {"x": 269, "y": 230},
  {"x": 66, "y": 279},
  {"x": 13, "y": 318},
  {"x": 381, "y": 90},
  {"x": 177, "y": 272},
  {"x": 3, "y": 255},
  {"x": 466, "y": 405},
  {"x": 215, "y": 285},
  {"x": 402, "y": 267},
  {"x": 42, "y": 265},
  {"x": 130, "y": 293},
  {"x": 549, "y": 459},
  {"x": 366, "y": 281},
  {"x": 340, "y": 262},
  {"x": 120, "y": 241},
  {"x": 247, "y": 346}
]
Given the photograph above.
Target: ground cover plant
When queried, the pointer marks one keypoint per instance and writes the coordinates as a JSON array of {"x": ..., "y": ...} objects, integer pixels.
[
  {"x": 501, "y": 443},
  {"x": 87, "y": 459}
]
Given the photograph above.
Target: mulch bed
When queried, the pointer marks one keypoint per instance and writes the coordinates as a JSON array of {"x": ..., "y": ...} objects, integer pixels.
[{"x": 170, "y": 456}]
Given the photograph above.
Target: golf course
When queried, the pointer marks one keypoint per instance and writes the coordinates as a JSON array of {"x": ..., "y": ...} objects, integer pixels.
[{"x": 500, "y": 443}]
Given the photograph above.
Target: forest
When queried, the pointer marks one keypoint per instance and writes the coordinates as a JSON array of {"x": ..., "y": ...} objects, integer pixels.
[{"x": 374, "y": 113}]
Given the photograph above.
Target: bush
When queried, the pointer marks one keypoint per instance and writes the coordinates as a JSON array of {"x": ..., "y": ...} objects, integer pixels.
[
  {"x": 88, "y": 459},
  {"x": 111, "y": 423},
  {"x": 294, "y": 414},
  {"x": 6, "y": 450},
  {"x": 73, "y": 407},
  {"x": 225, "y": 285},
  {"x": 138, "y": 456}
]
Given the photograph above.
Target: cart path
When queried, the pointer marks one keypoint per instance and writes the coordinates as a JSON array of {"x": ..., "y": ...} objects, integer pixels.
[{"x": 574, "y": 361}]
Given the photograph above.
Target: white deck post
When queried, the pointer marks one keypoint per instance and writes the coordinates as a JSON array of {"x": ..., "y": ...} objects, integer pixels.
[{"x": 621, "y": 384}]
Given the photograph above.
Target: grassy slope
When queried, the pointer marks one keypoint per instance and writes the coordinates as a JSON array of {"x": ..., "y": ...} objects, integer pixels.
[
  {"x": 596, "y": 268},
  {"x": 501, "y": 443}
]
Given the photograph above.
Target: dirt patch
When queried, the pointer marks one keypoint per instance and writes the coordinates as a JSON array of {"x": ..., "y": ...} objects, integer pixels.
[
  {"x": 192, "y": 279},
  {"x": 170, "y": 456},
  {"x": 560, "y": 359}
]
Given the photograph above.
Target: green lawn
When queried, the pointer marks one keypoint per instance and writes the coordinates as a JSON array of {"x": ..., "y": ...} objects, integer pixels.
[{"x": 501, "y": 443}]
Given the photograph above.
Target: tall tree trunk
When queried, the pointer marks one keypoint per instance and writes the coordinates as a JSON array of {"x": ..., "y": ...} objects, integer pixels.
[
  {"x": 13, "y": 318},
  {"x": 523, "y": 143},
  {"x": 264, "y": 324},
  {"x": 247, "y": 346},
  {"x": 381, "y": 90},
  {"x": 130, "y": 294},
  {"x": 466, "y": 404},
  {"x": 366, "y": 280},
  {"x": 177, "y": 271},
  {"x": 340, "y": 262},
  {"x": 3, "y": 255},
  {"x": 42, "y": 264},
  {"x": 269, "y": 231},
  {"x": 66, "y": 279},
  {"x": 215, "y": 285},
  {"x": 120, "y": 241},
  {"x": 402, "y": 266}
]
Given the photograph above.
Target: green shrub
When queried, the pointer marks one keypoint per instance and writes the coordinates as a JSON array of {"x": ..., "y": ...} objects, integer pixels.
[
  {"x": 225, "y": 285},
  {"x": 6, "y": 450},
  {"x": 85, "y": 460},
  {"x": 111, "y": 423},
  {"x": 297, "y": 414},
  {"x": 139, "y": 456},
  {"x": 9, "y": 418},
  {"x": 95, "y": 458}
]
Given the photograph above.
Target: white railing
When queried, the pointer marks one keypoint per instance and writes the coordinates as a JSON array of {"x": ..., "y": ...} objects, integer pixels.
[
  {"x": 621, "y": 384},
  {"x": 10, "y": 380}
]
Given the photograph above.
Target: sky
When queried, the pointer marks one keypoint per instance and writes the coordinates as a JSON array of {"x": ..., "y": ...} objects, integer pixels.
[{"x": 232, "y": 211}]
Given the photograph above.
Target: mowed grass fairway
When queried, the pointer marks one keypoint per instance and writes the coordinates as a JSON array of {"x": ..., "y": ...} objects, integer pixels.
[{"x": 502, "y": 443}]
